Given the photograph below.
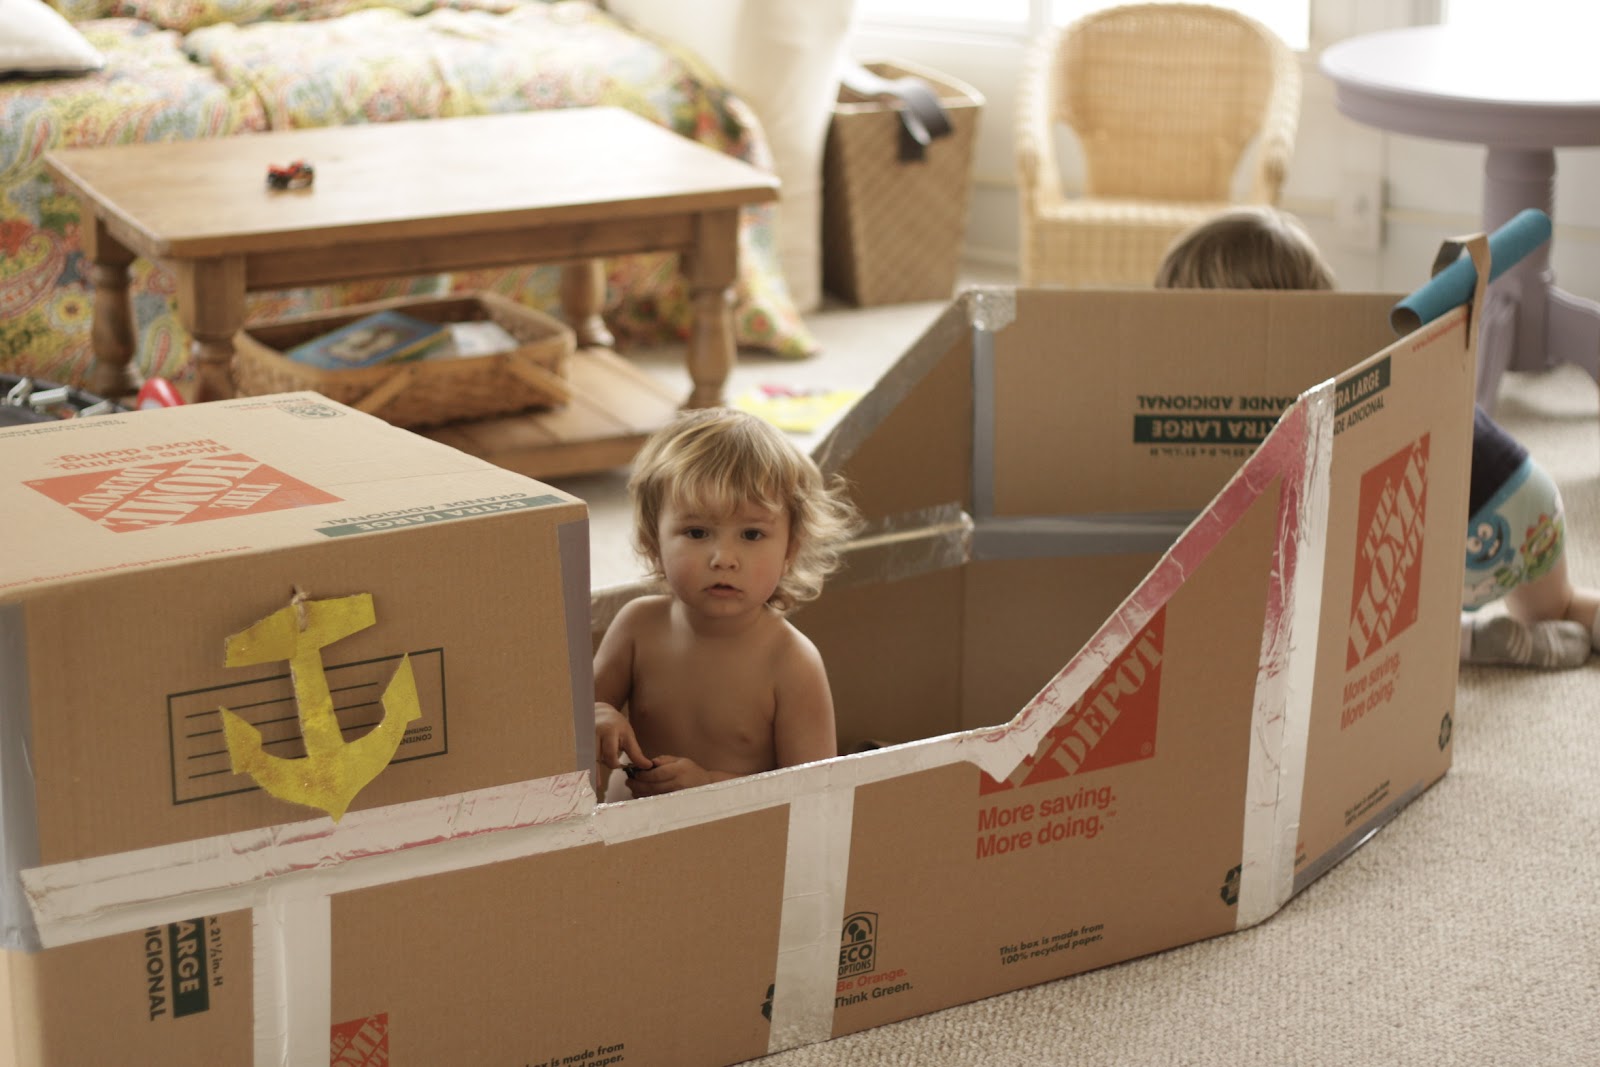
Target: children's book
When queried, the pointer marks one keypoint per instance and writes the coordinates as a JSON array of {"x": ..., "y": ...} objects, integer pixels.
[{"x": 382, "y": 337}]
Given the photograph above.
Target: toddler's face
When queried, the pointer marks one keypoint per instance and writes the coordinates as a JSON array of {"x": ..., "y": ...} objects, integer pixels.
[{"x": 723, "y": 565}]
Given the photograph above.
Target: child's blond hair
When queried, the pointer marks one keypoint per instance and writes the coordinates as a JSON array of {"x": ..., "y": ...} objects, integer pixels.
[
  {"x": 1245, "y": 248},
  {"x": 718, "y": 459}
]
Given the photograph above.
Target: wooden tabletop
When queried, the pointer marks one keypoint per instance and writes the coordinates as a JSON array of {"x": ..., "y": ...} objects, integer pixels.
[{"x": 432, "y": 178}]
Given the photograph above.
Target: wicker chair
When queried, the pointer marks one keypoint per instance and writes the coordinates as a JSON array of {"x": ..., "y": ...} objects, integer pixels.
[{"x": 1166, "y": 101}]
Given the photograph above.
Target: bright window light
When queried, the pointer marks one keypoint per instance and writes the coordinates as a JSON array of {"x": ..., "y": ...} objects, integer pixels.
[{"x": 1289, "y": 19}]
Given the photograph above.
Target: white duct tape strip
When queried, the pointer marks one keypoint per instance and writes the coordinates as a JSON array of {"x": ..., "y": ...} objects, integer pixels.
[
  {"x": 293, "y": 951},
  {"x": 815, "y": 874},
  {"x": 1281, "y": 717},
  {"x": 90, "y": 898}
]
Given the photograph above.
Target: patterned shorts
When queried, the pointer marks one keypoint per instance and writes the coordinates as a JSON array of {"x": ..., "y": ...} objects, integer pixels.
[{"x": 1514, "y": 538}]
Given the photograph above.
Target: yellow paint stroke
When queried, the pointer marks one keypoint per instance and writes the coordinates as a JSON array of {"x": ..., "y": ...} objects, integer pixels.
[{"x": 332, "y": 771}]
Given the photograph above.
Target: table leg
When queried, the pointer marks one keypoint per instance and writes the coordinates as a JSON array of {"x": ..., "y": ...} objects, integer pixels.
[
  {"x": 583, "y": 297},
  {"x": 1574, "y": 330},
  {"x": 1515, "y": 179},
  {"x": 711, "y": 269},
  {"x": 211, "y": 308},
  {"x": 112, "y": 374}
]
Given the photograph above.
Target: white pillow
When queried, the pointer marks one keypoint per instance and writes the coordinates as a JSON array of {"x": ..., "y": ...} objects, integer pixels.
[
  {"x": 783, "y": 58},
  {"x": 35, "y": 39}
]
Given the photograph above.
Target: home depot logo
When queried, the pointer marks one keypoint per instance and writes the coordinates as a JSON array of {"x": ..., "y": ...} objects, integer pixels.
[
  {"x": 360, "y": 1042},
  {"x": 157, "y": 493},
  {"x": 1113, "y": 723},
  {"x": 1389, "y": 526}
]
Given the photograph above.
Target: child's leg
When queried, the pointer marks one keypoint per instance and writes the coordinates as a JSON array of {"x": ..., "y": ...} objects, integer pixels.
[
  {"x": 1516, "y": 545},
  {"x": 1549, "y": 644},
  {"x": 1553, "y": 596}
]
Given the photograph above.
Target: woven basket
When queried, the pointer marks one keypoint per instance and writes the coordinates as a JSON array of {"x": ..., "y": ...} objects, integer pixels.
[
  {"x": 892, "y": 230},
  {"x": 426, "y": 392}
]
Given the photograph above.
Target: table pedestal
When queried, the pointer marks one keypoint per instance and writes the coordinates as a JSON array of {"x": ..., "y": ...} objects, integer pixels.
[{"x": 1529, "y": 324}]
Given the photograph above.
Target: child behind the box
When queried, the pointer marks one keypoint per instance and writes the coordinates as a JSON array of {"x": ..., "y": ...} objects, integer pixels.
[
  {"x": 716, "y": 683},
  {"x": 1516, "y": 527}
]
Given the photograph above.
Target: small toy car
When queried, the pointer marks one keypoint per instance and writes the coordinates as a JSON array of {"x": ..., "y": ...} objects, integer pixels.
[{"x": 296, "y": 175}]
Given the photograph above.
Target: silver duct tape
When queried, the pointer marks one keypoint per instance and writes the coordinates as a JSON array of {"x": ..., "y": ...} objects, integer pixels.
[
  {"x": 816, "y": 871},
  {"x": 989, "y": 311},
  {"x": 1355, "y": 839},
  {"x": 983, "y": 427},
  {"x": 572, "y": 539},
  {"x": 1281, "y": 716},
  {"x": 1060, "y": 536},
  {"x": 991, "y": 308},
  {"x": 917, "y": 542},
  {"x": 868, "y": 413},
  {"x": 19, "y": 833}
]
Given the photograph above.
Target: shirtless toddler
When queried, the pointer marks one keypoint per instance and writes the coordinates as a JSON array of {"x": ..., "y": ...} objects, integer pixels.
[{"x": 710, "y": 681}]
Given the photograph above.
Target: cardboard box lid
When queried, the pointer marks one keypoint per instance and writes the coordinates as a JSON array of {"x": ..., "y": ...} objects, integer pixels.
[{"x": 239, "y": 476}]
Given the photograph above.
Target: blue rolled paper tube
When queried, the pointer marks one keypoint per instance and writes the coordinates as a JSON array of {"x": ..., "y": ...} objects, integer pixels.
[{"x": 1453, "y": 286}]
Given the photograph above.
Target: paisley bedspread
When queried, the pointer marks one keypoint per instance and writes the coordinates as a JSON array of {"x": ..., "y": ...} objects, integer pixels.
[{"x": 182, "y": 69}]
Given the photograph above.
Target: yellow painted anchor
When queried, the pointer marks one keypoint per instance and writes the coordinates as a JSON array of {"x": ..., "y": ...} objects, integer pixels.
[{"x": 333, "y": 770}]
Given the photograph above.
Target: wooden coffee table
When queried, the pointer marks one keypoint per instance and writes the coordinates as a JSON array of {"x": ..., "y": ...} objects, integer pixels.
[{"x": 413, "y": 198}]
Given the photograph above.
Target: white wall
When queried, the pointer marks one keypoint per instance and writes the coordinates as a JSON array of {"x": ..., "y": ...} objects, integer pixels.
[{"x": 1433, "y": 188}]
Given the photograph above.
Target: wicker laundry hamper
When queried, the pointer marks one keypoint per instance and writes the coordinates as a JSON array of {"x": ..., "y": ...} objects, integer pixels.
[
  {"x": 424, "y": 392},
  {"x": 892, "y": 228}
]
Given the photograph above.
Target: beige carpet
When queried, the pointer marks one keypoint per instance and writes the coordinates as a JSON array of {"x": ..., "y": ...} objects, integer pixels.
[{"x": 1466, "y": 932}]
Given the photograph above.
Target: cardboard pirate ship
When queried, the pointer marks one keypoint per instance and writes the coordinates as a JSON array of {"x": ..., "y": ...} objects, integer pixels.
[{"x": 1150, "y": 642}]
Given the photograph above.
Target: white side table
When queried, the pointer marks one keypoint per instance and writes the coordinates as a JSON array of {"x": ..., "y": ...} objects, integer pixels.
[{"x": 1522, "y": 92}]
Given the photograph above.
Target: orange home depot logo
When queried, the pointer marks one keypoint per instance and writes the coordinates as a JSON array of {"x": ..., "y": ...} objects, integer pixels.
[
  {"x": 159, "y": 493},
  {"x": 1389, "y": 526},
  {"x": 360, "y": 1042},
  {"x": 1113, "y": 723}
]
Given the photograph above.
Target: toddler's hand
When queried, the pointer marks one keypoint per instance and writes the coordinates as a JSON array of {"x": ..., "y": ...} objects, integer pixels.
[
  {"x": 668, "y": 775},
  {"x": 614, "y": 738}
]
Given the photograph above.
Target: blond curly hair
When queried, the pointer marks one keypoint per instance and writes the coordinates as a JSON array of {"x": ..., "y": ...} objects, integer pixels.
[{"x": 718, "y": 459}]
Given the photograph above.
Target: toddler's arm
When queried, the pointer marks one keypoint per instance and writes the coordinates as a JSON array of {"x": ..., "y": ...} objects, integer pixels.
[
  {"x": 804, "y": 728},
  {"x": 613, "y": 682}
]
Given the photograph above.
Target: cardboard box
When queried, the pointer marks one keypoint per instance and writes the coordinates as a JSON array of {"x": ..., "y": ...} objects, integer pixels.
[
  {"x": 1145, "y": 668},
  {"x": 136, "y": 545}
]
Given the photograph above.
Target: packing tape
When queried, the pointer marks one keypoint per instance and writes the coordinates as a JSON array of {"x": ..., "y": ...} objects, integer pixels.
[
  {"x": 991, "y": 308},
  {"x": 989, "y": 311},
  {"x": 1281, "y": 714},
  {"x": 292, "y": 950},
  {"x": 19, "y": 830},
  {"x": 1058, "y": 536},
  {"x": 904, "y": 546},
  {"x": 816, "y": 870},
  {"x": 983, "y": 414},
  {"x": 125, "y": 891}
]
